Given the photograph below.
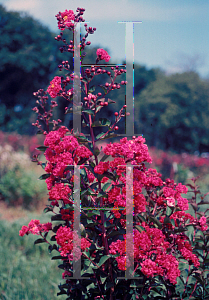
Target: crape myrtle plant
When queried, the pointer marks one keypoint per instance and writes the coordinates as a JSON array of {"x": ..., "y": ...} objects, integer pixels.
[{"x": 170, "y": 245}]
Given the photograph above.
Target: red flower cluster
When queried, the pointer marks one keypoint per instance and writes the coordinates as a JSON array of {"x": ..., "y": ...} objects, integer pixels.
[
  {"x": 55, "y": 87},
  {"x": 35, "y": 227},
  {"x": 202, "y": 222},
  {"x": 150, "y": 250},
  {"x": 102, "y": 54},
  {"x": 64, "y": 237},
  {"x": 66, "y": 17},
  {"x": 130, "y": 149},
  {"x": 63, "y": 150}
]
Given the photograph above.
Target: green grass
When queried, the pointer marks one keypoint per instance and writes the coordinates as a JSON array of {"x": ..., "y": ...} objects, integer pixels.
[{"x": 26, "y": 270}]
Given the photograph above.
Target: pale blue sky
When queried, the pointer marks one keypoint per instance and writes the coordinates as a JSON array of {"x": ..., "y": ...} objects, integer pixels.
[{"x": 173, "y": 35}]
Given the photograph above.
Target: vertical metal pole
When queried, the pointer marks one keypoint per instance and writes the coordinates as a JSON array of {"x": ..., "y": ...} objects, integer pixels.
[{"x": 77, "y": 82}]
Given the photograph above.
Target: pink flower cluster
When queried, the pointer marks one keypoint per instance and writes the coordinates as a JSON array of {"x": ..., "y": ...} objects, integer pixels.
[
  {"x": 35, "y": 227},
  {"x": 170, "y": 192},
  {"x": 66, "y": 17},
  {"x": 63, "y": 150},
  {"x": 135, "y": 149},
  {"x": 202, "y": 222},
  {"x": 102, "y": 54},
  {"x": 150, "y": 250},
  {"x": 55, "y": 87},
  {"x": 64, "y": 237},
  {"x": 60, "y": 192},
  {"x": 186, "y": 250}
]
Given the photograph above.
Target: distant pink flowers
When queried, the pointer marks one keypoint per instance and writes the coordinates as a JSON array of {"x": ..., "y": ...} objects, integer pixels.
[
  {"x": 55, "y": 87},
  {"x": 102, "y": 54},
  {"x": 67, "y": 17}
]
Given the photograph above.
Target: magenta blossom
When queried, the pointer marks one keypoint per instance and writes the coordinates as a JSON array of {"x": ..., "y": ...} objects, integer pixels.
[
  {"x": 67, "y": 17},
  {"x": 55, "y": 87},
  {"x": 102, "y": 54}
]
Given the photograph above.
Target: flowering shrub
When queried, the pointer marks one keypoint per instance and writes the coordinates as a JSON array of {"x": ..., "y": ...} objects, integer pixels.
[{"x": 165, "y": 235}]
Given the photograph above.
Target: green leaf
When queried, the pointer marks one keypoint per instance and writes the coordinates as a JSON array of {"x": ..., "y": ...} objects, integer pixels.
[
  {"x": 51, "y": 248},
  {"x": 169, "y": 211},
  {"x": 42, "y": 148},
  {"x": 108, "y": 175},
  {"x": 91, "y": 286},
  {"x": 106, "y": 186},
  {"x": 103, "y": 259},
  {"x": 108, "y": 285},
  {"x": 48, "y": 209},
  {"x": 89, "y": 271},
  {"x": 58, "y": 257},
  {"x": 102, "y": 194},
  {"x": 39, "y": 241},
  {"x": 104, "y": 89},
  {"x": 84, "y": 80},
  {"x": 167, "y": 220},
  {"x": 96, "y": 151},
  {"x": 83, "y": 173},
  {"x": 88, "y": 111},
  {"x": 180, "y": 229},
  {"x": 92, "y": 89},
  {"x": 109, "y": 135},
  {"x": 99, "y": 135},
  {"x": 104, "y": 157},
  {"x": 57, "y": 217},
  {"x": 44, "y": 176},
  {"x": 156, "y": 221},
  {"x": 139, "y": 228},
  {"x": 117, "y": 232},
  {"x": 93, "y": 213},
  {"x": 98, "y": 108},
  {"x": 101, "y": 122},
  {"x": 82, "y": 139},
  {"x": 103, "y": 278},
  {"x": 110, "y": 101},
  {"x": 173, "y": 222}
]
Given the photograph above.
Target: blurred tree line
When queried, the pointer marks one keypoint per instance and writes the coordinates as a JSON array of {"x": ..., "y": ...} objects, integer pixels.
[{"x": 170, "y": 111}]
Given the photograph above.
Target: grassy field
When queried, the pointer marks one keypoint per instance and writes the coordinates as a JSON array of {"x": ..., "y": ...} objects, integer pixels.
[{"x": 27, "y": 271}]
